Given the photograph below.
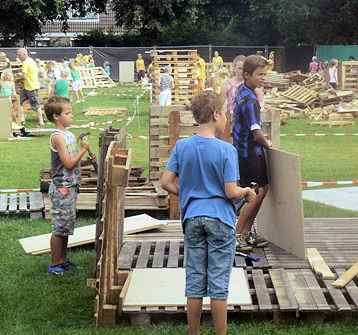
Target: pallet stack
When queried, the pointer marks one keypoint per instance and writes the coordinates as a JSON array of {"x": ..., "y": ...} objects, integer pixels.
[
  {"x": 95, "y": 77},
  {"x": 350, "y": 75},
  {"x": 183, "y": 65},
  {"x": 109, "y": 280}
]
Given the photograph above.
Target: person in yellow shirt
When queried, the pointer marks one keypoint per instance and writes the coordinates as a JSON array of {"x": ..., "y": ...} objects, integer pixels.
[
  {"x": 217, "y": 62},
  {"x": 140, "y": 67},
  {"x": 31, "y": 85},
  {"x": 201, "y": 73}
]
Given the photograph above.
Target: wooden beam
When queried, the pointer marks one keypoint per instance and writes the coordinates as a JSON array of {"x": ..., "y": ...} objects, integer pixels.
[
  {"x": 346, "y": 277},
  {"x": 318, "y": 264}
]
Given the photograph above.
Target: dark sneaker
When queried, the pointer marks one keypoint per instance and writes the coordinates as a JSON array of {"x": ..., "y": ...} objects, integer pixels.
[
  {"x": 241, "y": 243},
  {"x": 57, "y": 269},
  {"x": 255, "y": 241},
  {"x": 68, "y": 265}
]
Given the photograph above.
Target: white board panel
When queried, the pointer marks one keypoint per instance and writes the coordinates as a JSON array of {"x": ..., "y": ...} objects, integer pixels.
[
  {"x": 5, "y": 117},
  {"x": 167, "y": 288},
  {"x": 126, "y": 72},
  {"x": 280, "y": 219}
]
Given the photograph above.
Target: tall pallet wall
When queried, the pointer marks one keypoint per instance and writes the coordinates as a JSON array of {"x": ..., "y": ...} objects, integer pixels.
[{"x": 350, "y": 75}]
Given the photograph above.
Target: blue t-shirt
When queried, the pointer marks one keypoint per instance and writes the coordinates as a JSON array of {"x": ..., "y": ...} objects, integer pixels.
[
  {"x": 246, "y": 119},
  {"x": 203, "y": 166}
]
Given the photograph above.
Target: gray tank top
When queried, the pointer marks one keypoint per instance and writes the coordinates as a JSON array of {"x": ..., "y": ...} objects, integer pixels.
[{"x": 60, "y": 175}]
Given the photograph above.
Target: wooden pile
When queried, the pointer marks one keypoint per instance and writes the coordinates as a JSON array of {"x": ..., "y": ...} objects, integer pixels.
[
  {"x": 95, "y": 77},
  {"x": 350, "y": 75},
  {"x": 121, "y": 112},
  {"x": 275, "y": 79},
  {"x": 4, "y": 62},
  {"x": 109, "y": 281},
  {"x": 183, "y": 64}
]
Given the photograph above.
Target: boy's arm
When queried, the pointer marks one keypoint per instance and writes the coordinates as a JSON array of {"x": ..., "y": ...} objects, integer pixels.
[
  {"x": 233, "y": 191},
  {"x": 260, "y": 138},
  {"x": 168, "y": 182},
  {"x": 68, "y": 161}
]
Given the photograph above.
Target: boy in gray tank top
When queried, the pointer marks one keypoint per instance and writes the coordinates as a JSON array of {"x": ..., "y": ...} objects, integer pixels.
[{"x": 65, "y": 171}]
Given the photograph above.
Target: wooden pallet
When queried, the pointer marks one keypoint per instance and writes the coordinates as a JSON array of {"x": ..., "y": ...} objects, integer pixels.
[
  {"x": 300, "y": 94},
  {"x": 95, "y": 77},
  {"x": 349, "y": 77},
  {"x": 22, "y": 202}
]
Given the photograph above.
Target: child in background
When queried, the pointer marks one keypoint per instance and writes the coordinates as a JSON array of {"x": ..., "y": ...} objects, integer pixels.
[
  {"x": 8, "y": 90},
  {"x": 208, "y": 175},
  {"x": 333, "y": 73},
  {"x": 61, "y": 86},
  {"x": 65, "y": 173},
  {"x": 76, "y": 81},
  {"x": 166, "y": 86}
]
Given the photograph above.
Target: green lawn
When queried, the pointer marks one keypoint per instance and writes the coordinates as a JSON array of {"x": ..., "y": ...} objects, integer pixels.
[{"x": 32, "y": 302}]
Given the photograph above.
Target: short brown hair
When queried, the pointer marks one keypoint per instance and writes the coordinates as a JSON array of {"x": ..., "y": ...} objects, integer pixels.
[
  {"x": 252, "y": 63},
  {"x": 204, "y": 104},
  {"x": 55, "y": 106}
]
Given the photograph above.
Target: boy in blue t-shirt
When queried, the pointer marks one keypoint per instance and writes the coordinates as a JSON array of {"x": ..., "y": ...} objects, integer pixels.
[
  {"x": 249, "y": 140},
  {"x": 208, "y": 173}
]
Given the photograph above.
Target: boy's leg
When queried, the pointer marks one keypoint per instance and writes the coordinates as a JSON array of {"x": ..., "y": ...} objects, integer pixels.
[
  {"x": 219, "y": 313},
  {"x": 57, "y": 251},
  {"x": 194, "y": 306}
]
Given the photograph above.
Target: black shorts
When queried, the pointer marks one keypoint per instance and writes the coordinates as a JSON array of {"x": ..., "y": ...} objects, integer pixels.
[
  {"x": 253, "y": 170},
  {"x": 32, "y": 96}
]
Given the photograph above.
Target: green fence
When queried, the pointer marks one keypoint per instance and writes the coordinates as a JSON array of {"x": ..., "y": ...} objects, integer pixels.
[{"x": 341, "y": 52}]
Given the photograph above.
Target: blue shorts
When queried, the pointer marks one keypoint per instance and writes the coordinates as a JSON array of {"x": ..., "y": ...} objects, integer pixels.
[{"x": 210, "y": 252}]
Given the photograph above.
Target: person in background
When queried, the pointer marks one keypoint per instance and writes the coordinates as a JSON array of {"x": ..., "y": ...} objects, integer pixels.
[
  {"x": 217, "y": 62},
  {"x": 333, "y": 73},
  {"x": 76, "y": 82},
  {"x": 61, "y": 86},
  {"x": 314, "y": 65},
  {"x": 140, "y": 67},
  {"x": 201, "y": 73},
  {"x": 166, "y": 86},
  {"x": 107, "y": 67}
]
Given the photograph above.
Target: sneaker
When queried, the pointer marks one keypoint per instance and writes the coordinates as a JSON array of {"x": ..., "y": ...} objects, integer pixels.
[
  {"x": 254, "y": 240},
  {"x": 241, "y": 243},
  {"x": 68, "y": 265},
  {"x": 57, "y": 269}
]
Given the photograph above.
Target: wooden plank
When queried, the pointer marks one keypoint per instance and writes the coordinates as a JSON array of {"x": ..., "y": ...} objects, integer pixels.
[
  {"x": 3, "y": 203},
  {"x": 280, "y": 219},
  {"x": 126, "y": 256},
  {"x": 173, "y": 258},
  {"x": 284, "y": 294},
  {"x": 315, "y": 290},
  {"x": 351, "y": 287},
  {"x": 346, "y": 277},
  {"x": 262, "y": 263},
  {"x": 262, "y": 293},
  {"x": 143, "y": 256},
  {"x": 23, "y": 202},
  {"x": 337, "y": 296},
  {"x": 5, "y": 117},
  {"x": 158, "y": 258},
  {"x": 318, "y": 264},
  {"x": 13, "y": 203},
  {"x": 36, "y": 201}
]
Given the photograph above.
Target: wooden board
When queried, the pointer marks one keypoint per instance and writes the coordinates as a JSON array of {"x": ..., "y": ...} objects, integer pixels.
[
  {"x": 40, "y": 244},
  {"x": 280, "y": 219},
  {"x": 167, "y": 288},
  {"x": 318, "y": 264},
  {"x": 5, "y": 117}
]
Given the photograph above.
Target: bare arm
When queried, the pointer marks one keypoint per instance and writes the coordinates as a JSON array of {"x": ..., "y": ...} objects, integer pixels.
[
  {"x": 168, "y": 182},
  {"x": 68, "y": 161},
  {"x": 233, "y": 191},
  {"x": 259, "y": 138}
]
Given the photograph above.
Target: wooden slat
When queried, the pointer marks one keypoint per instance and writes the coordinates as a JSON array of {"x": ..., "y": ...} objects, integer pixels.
[
  {"x": 143, "y": 256},
  {"x": 13, "y": 203},
  {"x": 337, "y": 296},
  {"x": 351, "y": 288},
  {"x": 318, "y": 264},
  {"x": 173, "y": 258},
  {"x": 262, "y": 263},
  {"x": 262, "y": 293},
  {"x": 36, "y": 201},
  {"x": 126, "y": 256},
  {"x": 23, "y": 201},
  {"x": 346, "y": 276},
  {"x": 284, "y": 294},
  {"x": 158, "y": 258},
  {"x": 3, "y": 203}
]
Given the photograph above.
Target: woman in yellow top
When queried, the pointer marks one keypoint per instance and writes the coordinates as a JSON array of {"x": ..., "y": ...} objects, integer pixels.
[
  {"x": 217, "y": 62},
  {"x": 140, "y": 67},
  {"x": 201, "y": 73}
]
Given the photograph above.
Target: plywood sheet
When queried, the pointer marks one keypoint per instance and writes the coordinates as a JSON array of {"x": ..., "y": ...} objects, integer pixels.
[
  {"x": 280, "y": 219},
  {"x": 167, "y": 288},
  {"x": 126, "y": 72},
  {"x": 40, "y": 244},
  {"x": 5, "y": 117}
]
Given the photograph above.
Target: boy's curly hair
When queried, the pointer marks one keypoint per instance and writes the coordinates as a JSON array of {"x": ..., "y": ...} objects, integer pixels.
[
  {"x": 55, "y": 106},
  {"x": 204, "y": 104}
]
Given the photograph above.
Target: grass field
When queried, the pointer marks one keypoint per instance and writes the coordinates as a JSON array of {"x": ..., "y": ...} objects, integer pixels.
[{"x": 32, "y": 302}]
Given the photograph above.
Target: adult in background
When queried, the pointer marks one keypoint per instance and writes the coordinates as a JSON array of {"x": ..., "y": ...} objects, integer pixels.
[
  {"x": 166, "y": 86},
  {"x": 140, "y": 67},
  {"x": 333, "y": 73},
  {"x": 31, "y": 85},
  {"x": 314, "y": 65},
  {"x": 217, "y": 62},
  {"x": 201, "y": 72}
]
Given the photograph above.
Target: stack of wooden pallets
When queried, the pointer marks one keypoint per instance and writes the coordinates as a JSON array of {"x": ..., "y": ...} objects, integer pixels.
[
  {"x": 350, "y": 75},
  {"x": 301, "y": 95},
  {"x": 95, "y": 77},
  {"x": 183, "y": 64}
]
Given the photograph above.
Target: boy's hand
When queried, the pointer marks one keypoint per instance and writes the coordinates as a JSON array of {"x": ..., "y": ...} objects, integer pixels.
[
  {"x": 83, "y": 143},
  {"x": 250, "y": 194}
]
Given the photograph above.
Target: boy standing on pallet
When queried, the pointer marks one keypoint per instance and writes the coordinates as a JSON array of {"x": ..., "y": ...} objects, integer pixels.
[
  {"x": 208, "y": 174},
  {"x": 249, "y": 140},
  {"x": 65, "y": 170}
]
